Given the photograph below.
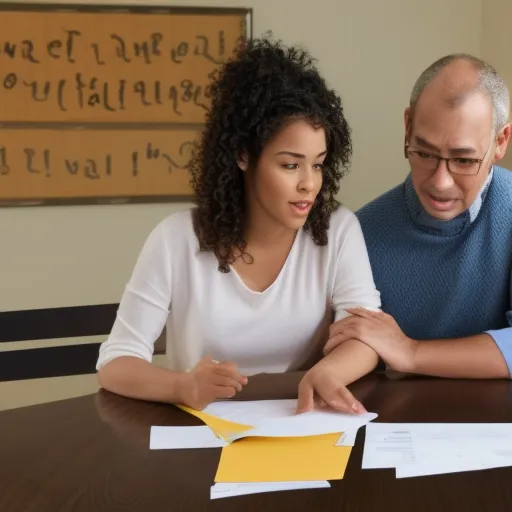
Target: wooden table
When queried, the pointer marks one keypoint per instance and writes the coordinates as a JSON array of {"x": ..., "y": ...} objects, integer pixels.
[{"x": 91, "y": 454}]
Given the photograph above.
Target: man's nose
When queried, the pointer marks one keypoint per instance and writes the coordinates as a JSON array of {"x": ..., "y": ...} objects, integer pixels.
[{"x": 442, "y": 179}]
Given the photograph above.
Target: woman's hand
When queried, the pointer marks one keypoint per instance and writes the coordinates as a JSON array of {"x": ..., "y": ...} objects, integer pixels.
[
  {"x": 323, "y": 386},
  {"x": 209, "y": 381}
]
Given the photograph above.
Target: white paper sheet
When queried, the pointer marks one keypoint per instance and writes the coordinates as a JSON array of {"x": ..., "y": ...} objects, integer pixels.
[
  {"x": 454, "y": 448},
  {"x": 278, "y": 418},
  {"x": 226, "y": 490},
  {"x": 311, "y": 423},
  {"x": 166, "y": 438},
  {"x": 445, "y": 467},
  {"x": 252, "y": 412},
  {"x": 387, "y": 445},
  {"x": 420, "y": 449}
]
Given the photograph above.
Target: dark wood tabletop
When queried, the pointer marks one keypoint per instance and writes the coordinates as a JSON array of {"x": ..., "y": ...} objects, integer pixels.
[{"x": 91, "y": 454}]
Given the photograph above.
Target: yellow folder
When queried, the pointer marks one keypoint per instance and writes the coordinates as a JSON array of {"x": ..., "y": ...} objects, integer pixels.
[
  {"x": 222, "y": 428},
  {"x": 275, "y": 459},
  {"x": 283, "y": 459}
]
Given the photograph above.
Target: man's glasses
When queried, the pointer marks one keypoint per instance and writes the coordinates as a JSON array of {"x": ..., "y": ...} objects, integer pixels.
[{"x": 423, "y": 160}]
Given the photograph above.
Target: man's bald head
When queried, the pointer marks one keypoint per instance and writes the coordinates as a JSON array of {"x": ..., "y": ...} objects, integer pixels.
[{"x": 454, "y": 77}]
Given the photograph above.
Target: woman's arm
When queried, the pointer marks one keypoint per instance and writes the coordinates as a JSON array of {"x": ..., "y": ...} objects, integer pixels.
[
  {"x": 136, "y": 378},
  {"x": 124, "y": 362},
  {"x": 354, "y": 284},
  {"x": 351, "y": 361},
  {"x": 207, "y": 382}
]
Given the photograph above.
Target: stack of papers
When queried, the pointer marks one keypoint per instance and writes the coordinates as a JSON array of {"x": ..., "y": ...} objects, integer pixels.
[
  {"x": 420, "y": 449},
  {"x": 266, "y": 446},
  {"x": 239, "y": 489}
]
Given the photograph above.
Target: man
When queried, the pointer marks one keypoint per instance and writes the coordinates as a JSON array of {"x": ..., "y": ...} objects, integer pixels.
[{"x": 440, "y": 244}]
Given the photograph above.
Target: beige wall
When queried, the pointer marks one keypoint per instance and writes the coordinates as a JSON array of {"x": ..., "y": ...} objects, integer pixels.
[
  {"x": 371, "y": 52},
  {"x": 497, "y": 44}
]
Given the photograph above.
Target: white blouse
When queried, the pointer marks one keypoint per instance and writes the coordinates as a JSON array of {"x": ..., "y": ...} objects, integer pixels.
[{"x": 207, "y": 312}]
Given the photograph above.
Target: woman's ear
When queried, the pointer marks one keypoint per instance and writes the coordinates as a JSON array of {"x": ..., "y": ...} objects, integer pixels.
[{"x": 243, "y": 162}]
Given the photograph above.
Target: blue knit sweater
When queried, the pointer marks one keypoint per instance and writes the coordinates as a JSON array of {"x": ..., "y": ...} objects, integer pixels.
[{"x": 444, "y": 279}]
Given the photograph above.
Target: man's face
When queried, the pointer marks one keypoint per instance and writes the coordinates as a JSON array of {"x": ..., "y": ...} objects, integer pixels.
[{"x": 464, "y": 131}]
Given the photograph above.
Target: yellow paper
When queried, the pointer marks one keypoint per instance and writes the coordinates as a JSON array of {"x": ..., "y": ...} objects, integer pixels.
[
  {"x": 222, "y": 428},
  {"x": 283, "y": 459}
]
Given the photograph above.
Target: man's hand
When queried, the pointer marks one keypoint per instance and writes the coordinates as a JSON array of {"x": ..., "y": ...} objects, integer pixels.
[
  {"x": 379, "y": 331},
  {"x": 322, "y": 386},
  {"x": 209, "y": 381}
]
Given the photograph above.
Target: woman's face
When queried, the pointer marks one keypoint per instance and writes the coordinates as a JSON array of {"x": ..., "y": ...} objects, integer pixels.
[{"x": 282, "y": 187}]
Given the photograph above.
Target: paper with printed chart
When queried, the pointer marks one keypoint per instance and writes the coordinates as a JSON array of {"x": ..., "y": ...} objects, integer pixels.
[{"x": 421, "y": 449}]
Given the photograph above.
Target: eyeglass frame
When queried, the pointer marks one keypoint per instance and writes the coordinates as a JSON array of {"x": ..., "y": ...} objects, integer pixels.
[{"x": 447, "y": 159}]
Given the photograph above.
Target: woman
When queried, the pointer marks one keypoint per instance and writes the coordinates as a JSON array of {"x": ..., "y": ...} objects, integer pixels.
[{"x": 248, "y": 281}]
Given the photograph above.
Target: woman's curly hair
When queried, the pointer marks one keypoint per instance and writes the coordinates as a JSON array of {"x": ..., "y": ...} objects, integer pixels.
[{"x": 253, "y": 95}]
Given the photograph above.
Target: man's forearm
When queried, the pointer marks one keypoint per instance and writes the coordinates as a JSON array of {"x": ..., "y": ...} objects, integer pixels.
[
  {"x": 354, "y": 359},
  {"x": 475, "y": 357}
]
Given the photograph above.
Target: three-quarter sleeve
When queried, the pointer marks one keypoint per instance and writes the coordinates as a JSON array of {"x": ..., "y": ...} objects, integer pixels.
[
  {"x": 145, "y": 304},
  {"x": 354, "y": 285}
]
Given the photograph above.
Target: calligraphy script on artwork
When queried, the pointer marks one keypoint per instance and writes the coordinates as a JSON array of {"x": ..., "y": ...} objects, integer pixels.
[
  {"x": 77, "y": 69},
  {"x": 57, "y": 163},
  {"x": 105, "y": 104}
]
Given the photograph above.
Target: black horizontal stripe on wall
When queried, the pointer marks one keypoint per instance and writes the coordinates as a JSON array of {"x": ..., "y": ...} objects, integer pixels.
[
  {"x": 40, "y": 363},
  {"x": 65, "y": 322}
]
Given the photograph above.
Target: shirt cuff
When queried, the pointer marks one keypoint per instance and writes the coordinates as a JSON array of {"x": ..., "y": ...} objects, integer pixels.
[{"x": 503, "y": 338}]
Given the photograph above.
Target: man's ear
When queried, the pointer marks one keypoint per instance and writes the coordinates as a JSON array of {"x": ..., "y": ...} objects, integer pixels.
[
  {"x": 502, "y": 140},
  {"x": 407, "y": 119},
  {"x": 243, "y": 161},
  {"x": 407, "y": 129}
]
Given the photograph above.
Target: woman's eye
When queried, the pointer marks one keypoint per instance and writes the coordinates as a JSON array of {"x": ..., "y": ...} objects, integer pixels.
[
  {"x": 319, "y": 167},
  {"x": 290, "y": 167}
]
